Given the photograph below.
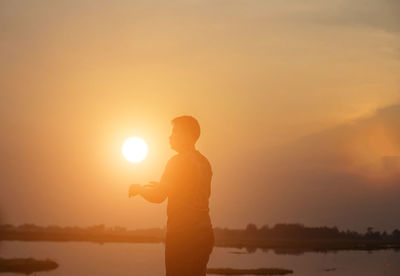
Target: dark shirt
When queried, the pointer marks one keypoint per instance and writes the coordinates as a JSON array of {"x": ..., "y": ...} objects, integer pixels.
[{"x": 187, "y": 178}]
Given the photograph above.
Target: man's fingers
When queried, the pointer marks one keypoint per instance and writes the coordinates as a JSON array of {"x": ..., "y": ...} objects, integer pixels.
[
  {"x": 131, "y": 191},
  {"x": 134, "y": 189}
]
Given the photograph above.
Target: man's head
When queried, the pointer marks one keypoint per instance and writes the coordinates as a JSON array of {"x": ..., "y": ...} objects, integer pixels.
[{"x": 185, "y": 132}]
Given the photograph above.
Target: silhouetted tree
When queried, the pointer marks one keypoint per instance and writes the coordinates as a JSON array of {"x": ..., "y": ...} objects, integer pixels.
[
  {"x": 251, "y": 229},
  {"x": 396, "y": 234}
]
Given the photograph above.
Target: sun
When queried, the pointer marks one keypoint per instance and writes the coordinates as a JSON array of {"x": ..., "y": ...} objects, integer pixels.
[{"x": 134, "y": 149}]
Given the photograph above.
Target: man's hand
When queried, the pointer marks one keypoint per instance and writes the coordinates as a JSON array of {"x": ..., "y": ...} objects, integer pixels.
[
  {"x": 135, "y": 189},
  {"x": 152, "y": 184}
]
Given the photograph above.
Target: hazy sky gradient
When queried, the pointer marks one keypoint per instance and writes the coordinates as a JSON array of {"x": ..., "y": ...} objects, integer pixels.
[{"x": 78, "y": 77}]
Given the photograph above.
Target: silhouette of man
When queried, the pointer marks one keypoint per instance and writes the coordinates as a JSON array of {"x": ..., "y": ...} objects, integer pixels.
[{"x": 186, "y": 182}]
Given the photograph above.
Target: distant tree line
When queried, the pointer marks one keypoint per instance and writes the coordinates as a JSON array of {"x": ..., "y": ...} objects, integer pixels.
[
  {"x": 297, "y": 231},
  {"x": 96, "y": 233},
  {"x": 281, "y": 231}
]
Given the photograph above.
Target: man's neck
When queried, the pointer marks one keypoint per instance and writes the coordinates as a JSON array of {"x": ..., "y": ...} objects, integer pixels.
[{"x": 188, "y": 149}]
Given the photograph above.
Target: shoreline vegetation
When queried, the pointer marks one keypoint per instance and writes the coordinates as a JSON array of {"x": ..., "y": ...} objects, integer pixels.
[
  {"x": 283, "y": 238},
  {"x": 26, "y": 266},
  {"x": 257, "y": 271}
]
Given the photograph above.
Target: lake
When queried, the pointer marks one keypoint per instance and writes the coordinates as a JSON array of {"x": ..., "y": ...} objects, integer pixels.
[{"x": 147, "y": 259}]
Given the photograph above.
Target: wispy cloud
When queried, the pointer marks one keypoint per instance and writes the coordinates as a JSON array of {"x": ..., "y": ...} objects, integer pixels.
[
  {"x": 364, "y": 13},
  {"x": 352, "y": 170}
]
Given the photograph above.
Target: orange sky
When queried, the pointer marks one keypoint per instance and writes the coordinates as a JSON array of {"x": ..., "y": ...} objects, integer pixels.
[{"x": 78, "y": 77}]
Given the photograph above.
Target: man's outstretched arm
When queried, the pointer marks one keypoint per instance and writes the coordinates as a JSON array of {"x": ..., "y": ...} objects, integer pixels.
[
  {"x": 157, "y": 192},
  {"x": 154, "y": 193}
]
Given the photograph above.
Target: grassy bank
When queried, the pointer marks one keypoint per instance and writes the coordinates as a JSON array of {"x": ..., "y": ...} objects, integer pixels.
[{"x": 26, "y": 266}]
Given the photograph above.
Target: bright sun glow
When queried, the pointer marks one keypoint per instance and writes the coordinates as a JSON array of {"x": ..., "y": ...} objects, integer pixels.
[{"x": 134, "y": 149}]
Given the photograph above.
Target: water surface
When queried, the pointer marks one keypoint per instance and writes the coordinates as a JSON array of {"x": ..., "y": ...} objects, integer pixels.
[{"x": 147, "y": 259}]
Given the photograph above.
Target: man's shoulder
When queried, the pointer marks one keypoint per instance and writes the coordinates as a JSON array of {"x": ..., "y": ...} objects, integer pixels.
[
  {"x": 202, "y": 157},
  {"x": 202, "y": 161},
  {"x": 205, "y": 161},
  {"x": 175, "y": 160},
  {"x": 182, "y": 159}
]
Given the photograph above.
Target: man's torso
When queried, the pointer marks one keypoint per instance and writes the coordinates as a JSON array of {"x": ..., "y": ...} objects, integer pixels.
[{"x": 189, "y": 177}]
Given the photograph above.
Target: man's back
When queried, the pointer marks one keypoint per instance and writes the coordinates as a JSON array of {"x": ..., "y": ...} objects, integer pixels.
[{"x": 188, "y": 178}]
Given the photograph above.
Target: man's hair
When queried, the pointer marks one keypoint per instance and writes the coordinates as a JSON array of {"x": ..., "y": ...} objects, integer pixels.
[{"x": 188, "y": 125}]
